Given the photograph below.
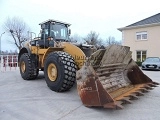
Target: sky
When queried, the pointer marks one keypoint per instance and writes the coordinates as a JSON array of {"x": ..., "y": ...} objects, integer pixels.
[{"x": 101, "y": 16}]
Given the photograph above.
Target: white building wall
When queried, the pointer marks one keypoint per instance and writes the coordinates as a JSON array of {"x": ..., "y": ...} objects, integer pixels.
[{"x": 152, "y": 44}]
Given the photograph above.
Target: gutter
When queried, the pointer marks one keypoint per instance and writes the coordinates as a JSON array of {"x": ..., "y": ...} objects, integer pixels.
[{"x": 139, "y": 26}]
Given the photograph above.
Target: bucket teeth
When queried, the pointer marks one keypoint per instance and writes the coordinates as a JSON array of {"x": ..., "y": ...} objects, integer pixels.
[
  {"x": 126, "y": 100},
  {"x": 133, "y": 96},
  {"x": 119, "y": 105},
  {"x": 148, "y": 87},
  {"x": 151, "y": 85},
  {"x": 143, "y": 90},
  {"x": 155, "y": 83},
  {"x": 139, "y": 93}
]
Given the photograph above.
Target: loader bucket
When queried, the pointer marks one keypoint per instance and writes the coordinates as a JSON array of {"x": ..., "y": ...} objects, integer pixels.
[{"x": 110, "y": 78}]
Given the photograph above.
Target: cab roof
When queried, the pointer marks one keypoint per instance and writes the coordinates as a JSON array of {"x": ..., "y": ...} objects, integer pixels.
[{"x": 56, "y": 21}]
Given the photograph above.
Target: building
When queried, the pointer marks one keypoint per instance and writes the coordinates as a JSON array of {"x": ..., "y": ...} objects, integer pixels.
[{"x": 143, "y": 38}]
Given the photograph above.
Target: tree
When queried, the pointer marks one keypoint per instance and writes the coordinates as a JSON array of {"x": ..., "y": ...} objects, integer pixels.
[
  {"x": 10, "y": 51},
  {"x": 76, "y": 38},
  {"x": 17, "y": 28},
  {"x": 93, "y": 39},
  {"x": 111, "y": 41},
  {"x": 15, "y": 51}
]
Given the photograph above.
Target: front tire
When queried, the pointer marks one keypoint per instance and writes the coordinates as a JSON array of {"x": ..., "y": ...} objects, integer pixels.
[{"x": 60, "y": 71}]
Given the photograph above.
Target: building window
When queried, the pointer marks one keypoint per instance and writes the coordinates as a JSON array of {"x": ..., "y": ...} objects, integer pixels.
[
  {"x": 141, "y": 35},
  {"x": 141, "y": 56}
]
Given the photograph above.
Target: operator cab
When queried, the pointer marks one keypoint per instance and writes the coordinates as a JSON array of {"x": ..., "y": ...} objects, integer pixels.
[{"x": 53, "y": 31}]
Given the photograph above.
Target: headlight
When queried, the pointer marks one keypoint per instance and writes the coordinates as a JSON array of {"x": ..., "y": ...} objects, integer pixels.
[{"x": 143, "y": 64}]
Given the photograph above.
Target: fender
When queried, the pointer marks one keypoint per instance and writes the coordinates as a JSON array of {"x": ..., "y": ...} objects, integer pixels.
[
  {"x": 77, "y": 54},
  {"x": 24, "y": 50}
]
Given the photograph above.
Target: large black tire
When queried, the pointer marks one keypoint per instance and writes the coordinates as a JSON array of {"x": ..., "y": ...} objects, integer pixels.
[
  {"x": 65, "y": 71},
  {"x": 27, "y": 67}
]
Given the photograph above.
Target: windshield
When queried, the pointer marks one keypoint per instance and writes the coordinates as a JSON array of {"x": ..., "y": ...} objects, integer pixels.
[
  {"x": 152, "y": 59},
  {"x": 59, "y": 31}
]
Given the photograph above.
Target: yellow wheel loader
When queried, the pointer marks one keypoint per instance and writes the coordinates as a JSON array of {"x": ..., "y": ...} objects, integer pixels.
[{"x": 107, "y": 77}]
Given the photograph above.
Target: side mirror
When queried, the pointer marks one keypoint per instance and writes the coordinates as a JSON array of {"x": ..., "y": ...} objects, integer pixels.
[
  {"x": 69, "y": 31},
  {"x": 43, "y": 26}
]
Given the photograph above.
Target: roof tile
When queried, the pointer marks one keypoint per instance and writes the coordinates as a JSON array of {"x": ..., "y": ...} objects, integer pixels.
[{"x": 149, "y": 20}]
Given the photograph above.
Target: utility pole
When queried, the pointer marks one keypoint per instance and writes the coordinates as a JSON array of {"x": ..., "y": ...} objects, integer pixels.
[{"x": 1, "y": 43}]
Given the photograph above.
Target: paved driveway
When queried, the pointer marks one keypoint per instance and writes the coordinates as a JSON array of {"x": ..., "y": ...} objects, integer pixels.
[{"x": 33, "y": 100}]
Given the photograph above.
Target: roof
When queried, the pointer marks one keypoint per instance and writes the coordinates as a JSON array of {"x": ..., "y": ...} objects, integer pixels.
[
  {"x": 149, "y": 20},
  {"x": 155, "y": 19},
  {"x": 57, "y": 21}
]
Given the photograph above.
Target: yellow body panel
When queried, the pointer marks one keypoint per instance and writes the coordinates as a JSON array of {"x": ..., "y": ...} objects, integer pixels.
[{"x": 77, "y": 54}]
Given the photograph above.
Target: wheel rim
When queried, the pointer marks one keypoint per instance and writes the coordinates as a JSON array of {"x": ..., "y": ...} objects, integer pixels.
[
  {"x": 52, "y": 72},
  {"x": 23, "y": 66}
]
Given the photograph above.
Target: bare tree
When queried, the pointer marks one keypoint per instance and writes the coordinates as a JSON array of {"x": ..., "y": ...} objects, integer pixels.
[
  {"x": 17, "y": 28},
  {"x": 111, "y": 41},
  {"x": 93, "y": 39},
  {"x": 76, "y": 38}
]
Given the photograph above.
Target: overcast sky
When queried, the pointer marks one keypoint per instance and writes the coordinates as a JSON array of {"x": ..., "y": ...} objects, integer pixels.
[{"x": 102, "y": 16}]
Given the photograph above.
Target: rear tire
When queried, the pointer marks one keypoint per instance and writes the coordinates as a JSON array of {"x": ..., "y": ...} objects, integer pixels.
[
  {"x": 27, "y": 68},
  {"x": 60, "y": 71}
]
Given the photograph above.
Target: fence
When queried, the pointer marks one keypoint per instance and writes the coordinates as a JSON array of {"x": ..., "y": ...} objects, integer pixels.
[{"x": 8, "y": 62}]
